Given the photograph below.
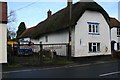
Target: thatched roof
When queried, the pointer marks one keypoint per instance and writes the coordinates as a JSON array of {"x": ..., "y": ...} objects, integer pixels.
[
  {"x": 26, "y": 33},
  {"x": 114, "y": 23},
  {"x": 3, "y": 12},
  {"x": 60, "y": 20}
]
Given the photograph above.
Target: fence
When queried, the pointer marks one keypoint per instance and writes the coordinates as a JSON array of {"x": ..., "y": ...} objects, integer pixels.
[
  {"x": 60, "y": 49},
  {"x": 37, "y": 53}
]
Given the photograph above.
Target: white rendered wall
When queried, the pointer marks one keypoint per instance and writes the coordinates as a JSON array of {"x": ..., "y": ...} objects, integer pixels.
[
  {"x": 24, "y": 40},
  {"x": 3, "y": 43},
  {"x": 54, "y": 38},
  {"x": 81, "y": 33},
  {"x": 114, "y": 37},
  {"x": 114, "y": 34}
]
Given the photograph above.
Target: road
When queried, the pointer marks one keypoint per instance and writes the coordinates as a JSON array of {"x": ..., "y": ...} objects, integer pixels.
[{"x": 108, "y": 69}]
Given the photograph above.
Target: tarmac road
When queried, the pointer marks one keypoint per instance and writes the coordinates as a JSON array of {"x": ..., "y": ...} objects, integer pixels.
[{"x": 104, "y": 69}]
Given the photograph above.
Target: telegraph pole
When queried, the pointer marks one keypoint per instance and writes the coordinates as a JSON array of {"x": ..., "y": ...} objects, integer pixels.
[{"x": 70, "y": 18}]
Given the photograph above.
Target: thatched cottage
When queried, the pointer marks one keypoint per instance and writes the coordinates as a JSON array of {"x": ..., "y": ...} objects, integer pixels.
[
  {"x": 3, "y": 32},
  {"x": 87, "y": 23}
]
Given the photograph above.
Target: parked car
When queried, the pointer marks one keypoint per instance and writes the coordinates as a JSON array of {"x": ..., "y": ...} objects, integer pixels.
[
  {"x": 25, "y": 48},
  {"x": 25, "y": 51}
]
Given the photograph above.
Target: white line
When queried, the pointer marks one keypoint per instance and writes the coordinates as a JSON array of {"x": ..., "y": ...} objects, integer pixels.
[
  {"x": 17, "y": 71},
  {"x": 44, "y": 69},
  {"x": 107, "y": 74}
]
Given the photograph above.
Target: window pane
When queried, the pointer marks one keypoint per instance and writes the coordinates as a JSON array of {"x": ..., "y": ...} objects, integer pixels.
[
  {"x": 93, "y": 28},
  {"x": 98, "y": 46},
  {"x": 90, "y": 28},
  {"x": 90, "y": 47},
  {"x": 96, "y": 28},
  {"x": 94, "y": 44},
  {"x": 118, "y": 31},
  {"x": 94, "y": 49}
]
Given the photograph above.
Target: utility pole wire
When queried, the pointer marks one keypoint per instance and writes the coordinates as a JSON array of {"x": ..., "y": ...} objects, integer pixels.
[{"x": 26, "y": 6}]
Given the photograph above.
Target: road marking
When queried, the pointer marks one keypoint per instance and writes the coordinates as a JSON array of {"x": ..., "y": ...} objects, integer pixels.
[
  {"x": 44, "y": 69},
  {"x": 20, "y": 71},
  {"x": 68, "y": 66},
  {"x": 107, "y": 74}
]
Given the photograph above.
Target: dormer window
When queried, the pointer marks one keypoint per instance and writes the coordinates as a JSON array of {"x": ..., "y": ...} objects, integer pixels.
[
  {"x": 118, "y": 32},
  {"x": 93, "y": 28}
]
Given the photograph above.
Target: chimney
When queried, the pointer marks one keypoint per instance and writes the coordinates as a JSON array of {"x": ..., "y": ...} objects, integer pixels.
[
  {"x": 69, "y": 2},
  {"x": 3, "y": 12},
  {"x": 49, "y": 14},
  {"x": 86, "y": 0}
]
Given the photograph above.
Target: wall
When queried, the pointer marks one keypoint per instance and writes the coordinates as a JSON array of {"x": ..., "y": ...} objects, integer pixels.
[
  {"x": 24, "y": 40},
  {"x": 58, "y": 37},
  {"x": 114, "y": 37},
  {"x": 81, "y": 34},
  {"x": 114, "y": 34},
  {"x": 3, "y": 43},
  {"x": 54, "y": 38}
]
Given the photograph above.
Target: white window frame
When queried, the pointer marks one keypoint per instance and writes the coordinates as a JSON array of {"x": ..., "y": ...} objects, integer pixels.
[
  {"x": 95, "y": 45},
  {"x": 93, "y": 28}
]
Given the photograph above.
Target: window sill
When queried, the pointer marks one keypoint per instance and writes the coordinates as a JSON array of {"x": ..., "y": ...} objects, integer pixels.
[
  {"x": 118, "y": 35},
  {"x": 94, "y": 33},
  {"x": 95, "y": 52}
]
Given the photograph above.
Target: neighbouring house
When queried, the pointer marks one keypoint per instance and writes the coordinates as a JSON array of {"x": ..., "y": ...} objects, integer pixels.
[
  {"x": 24, "y": 36},
  {"x": 25, "y": 39},
  {"x": 115, "y": 34},
  {"x": 3, "y": 32},
  {"x": 86, "y": 22}
]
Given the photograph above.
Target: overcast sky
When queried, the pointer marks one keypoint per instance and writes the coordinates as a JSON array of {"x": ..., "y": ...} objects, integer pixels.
[{"x": 34, "y": 12}]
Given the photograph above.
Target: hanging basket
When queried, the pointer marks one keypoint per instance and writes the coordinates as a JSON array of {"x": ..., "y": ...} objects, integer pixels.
[{"x": 116, "y": 54}]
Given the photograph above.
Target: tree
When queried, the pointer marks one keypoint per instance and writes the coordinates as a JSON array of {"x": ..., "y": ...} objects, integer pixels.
[
  {"x": 11, "y": 28},
  {"x": 12, "y": 16},
  {"x": 21, "y": 28}
]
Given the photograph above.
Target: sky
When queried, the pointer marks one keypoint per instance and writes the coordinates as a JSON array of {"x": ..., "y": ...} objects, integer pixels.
[{"x": 34, "y": 12}]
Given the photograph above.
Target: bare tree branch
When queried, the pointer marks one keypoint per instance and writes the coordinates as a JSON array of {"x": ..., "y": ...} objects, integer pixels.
[{"x": 11, "y": 17}]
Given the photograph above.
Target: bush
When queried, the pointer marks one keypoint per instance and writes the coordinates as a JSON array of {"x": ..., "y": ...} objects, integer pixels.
[{"x": 116, "y": 54}]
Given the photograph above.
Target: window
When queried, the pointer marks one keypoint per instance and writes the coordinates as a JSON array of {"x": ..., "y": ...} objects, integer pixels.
[
  {"x": 118, "y": 31},
  {"x": 118, "y": 46},
  {"x": 46, "y": 38},
  {"x": 94, "y": 47},
  {"x": 93, "y": 28}
]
